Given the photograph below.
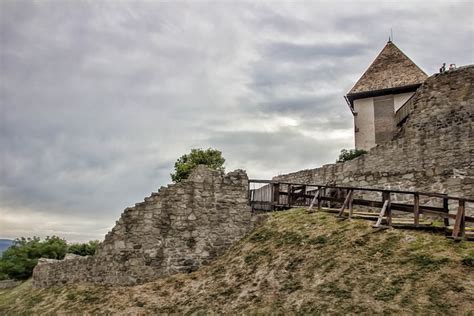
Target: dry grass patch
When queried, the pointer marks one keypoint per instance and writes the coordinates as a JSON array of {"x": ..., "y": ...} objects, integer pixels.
[{"x": 294, "y": 263}]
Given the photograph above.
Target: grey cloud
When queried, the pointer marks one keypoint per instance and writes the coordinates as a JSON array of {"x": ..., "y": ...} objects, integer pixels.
[
  {"x": 288, "y": 51},
  {"x": 309, "y": 104},
  {"x": 98, "y": 99},
  {"x": 267, "y": 155}
]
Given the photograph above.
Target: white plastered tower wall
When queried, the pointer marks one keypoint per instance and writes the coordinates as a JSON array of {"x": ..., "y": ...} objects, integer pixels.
[
  {"x": 381, "y": 91},
  {"x": 365, "y": 116},
  {"x": 364, "y": 123}
]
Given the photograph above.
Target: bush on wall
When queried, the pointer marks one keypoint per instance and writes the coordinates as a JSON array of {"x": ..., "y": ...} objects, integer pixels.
[{"x": 347, "y": 155}]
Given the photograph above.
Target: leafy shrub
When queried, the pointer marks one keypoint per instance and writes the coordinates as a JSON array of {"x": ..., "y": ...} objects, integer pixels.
[
  {"x": 347, "y": 155},
  {"x": 18, "y": 261},
  {"x": 186, "y": 163},
  {"x": 85, "y": 249}
]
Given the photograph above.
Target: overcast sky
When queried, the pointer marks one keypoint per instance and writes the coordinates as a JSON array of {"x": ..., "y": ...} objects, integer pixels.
[{"x": 99, "y": 98}]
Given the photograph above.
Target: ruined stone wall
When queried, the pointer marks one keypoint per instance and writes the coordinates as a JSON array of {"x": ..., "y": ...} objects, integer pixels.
[
  {"x": 177, "y": 229},
  {"x": 432, "y": 152}
]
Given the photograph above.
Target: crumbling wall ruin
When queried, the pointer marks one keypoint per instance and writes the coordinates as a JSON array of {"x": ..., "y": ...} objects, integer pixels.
[
  {"x": 177, "y": 229},
  {"x": 432, "y": 152},
  {"x": 185, "y": 225}
]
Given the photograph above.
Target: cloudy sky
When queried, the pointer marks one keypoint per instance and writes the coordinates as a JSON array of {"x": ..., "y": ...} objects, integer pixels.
[{"x": 99, "y": 98}]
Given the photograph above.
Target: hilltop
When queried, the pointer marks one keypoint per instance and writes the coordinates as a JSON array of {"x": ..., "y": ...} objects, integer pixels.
[{"x": 294, "y": 262}]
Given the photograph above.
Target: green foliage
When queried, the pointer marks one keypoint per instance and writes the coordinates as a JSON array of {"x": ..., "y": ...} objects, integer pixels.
[
  {"x": 468, "y": 259},
  {"x": 85, "y": 249},
  {"x": 186, "y": 163},
  {"x": 347, "y": 155},
  {"x": 426, "y": 261},
  {"x": 18, "y": 261}
]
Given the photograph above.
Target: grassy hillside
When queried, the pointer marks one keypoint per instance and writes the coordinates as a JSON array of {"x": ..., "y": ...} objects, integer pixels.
[{"x": 298, "y": 263}]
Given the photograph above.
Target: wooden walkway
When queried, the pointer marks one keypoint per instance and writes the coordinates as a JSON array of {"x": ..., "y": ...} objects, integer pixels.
[{"x": 268, "y": 195}]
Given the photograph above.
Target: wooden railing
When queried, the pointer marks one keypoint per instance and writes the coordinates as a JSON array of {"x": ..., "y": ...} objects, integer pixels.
[
  {"x": 274, "y": 195},
  {"x": 402, "y": 113}
]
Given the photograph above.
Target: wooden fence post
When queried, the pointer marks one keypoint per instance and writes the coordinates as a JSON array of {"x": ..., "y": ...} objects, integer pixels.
[
  {"x": 416, "y": 208},
  {"x": 459, "y": 224},
  {"x": 324, "y": 195},
  {"x": 290, "y": 188},
  {"x": 346, "y": 202},
  {"x": 304, "y": 194},
  {"x": 350, "y": 204},
  {"x": 446, "y": 209},
  {"x": 276, "y": 195},
  {"x": 388, "y": 211},
  {"x": 382, "y": 213},
  {"x": 319, "y": 197},
  {"x": 316, "y": 197}
]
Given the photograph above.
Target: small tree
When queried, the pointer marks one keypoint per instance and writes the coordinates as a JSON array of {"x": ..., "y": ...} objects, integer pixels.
[
  {"x": 85, "y": 249},
  {"x": 347, "y": 155},
  {"x": 18, "y": 261},
  {"x": 186, "y": 163}
]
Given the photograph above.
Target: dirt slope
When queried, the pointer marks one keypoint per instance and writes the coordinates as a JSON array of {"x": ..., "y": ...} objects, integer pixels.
[{"x": 294, "y": 263}]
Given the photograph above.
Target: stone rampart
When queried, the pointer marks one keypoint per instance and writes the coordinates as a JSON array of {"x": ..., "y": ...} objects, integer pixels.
[
  {"x": 433, "y": 151},
  {"x": 177, "y": 229}
]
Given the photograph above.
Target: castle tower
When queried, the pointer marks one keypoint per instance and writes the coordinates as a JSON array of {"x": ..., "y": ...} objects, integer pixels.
[{"x": 386, "y": 85}]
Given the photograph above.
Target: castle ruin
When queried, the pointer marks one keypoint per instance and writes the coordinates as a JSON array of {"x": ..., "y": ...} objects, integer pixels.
[{"x": 185, "y": 225}]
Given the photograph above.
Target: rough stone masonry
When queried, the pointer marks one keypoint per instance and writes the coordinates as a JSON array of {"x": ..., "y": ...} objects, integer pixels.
[
  {"x": 178, "y": 229},
  {"x": 185, "y": 225},
  {"x": 432, "y": 152}
]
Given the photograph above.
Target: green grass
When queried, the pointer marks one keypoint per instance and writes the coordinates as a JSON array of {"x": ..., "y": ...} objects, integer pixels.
[{"x": 295, "y": 263}]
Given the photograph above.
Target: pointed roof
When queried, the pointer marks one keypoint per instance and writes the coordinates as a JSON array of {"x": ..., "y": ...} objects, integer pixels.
[{"x": 391, "y": 69}]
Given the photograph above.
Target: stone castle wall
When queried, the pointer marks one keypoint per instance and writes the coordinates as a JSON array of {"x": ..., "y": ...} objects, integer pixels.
[
  {"x": 183, "y": 226},
  {"x": 433, "y": 151},
  {"x": 177, "y": 229}
]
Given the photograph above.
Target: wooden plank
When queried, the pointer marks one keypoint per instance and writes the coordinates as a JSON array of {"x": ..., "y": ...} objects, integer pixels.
[
  {"x": 416, "y": 208},
  {"x": 459, "y": 222},
  {"x": 466, "y": 229},
  {"x": 469, "y": 219},
  {"x": 351, "y": 200},
  {"x": 446, "y": 209},
  {"x": 261, "y": 181},
  {"x": 303, "y": 191},
  {"x": 382, "y": 214},
  {"x": 430, "y": 194},
  {"x": 389, "y": 208},
  {"x": 324, "y": 194},
  {"x": 439, "y": 211},
  {"x": 316, "y": 195},
  {"x": 290, "y": 188},
  {"x": 346, "y": 202},
  {"x": 276, "y": 193},
  {"x": 319, "y": 198},
  {"x": 401, "y": 207}
]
